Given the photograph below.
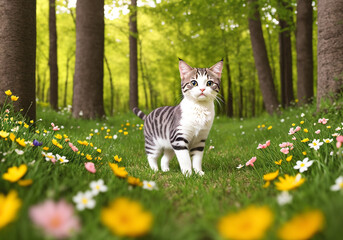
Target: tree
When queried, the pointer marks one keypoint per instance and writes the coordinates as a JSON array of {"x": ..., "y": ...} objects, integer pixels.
[
  {"x": 133, "y": 55},
  {"x": 330, "y": 49},
  {"x": 285, "y": 47},
  {"x": 261, "y": 58},
  {"x": 18, "y": 53},
  {"x": 89, "y": 63},
  {"x": 304, "y": 37},
  {"x": 53, "y": 55}
]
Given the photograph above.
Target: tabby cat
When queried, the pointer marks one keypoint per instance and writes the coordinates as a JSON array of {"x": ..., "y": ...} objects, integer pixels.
[{"x": 182, "y": 130}]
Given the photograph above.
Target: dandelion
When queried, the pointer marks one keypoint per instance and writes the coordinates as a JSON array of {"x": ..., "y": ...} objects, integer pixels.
[
  {"x": 302, "y": 226},
  {"x": 251, "y": 162},
  {"x": 284, "y": 198},
  {"x": 338, "y": 184},
  {"x": 305, "y": 140},
  {"x": 303, "y": 165},
  {"x": 14, "y": 98},
  {"x": 56, "y": 219},
  {"x": 149, "y": 185},
  {"x": 9, "y": 206},
  {"x": 315, "y": 144},
  {"x": 84, "y": 200},
  {"x": 270, "y": 127},
  {"x": 271, "y": 176},
  {"x": 8, "y": 92},
  {"x": 4, "y": 134},
  {"x": 249, "y": 223},
  {"x": 134, "y": 181},
  {"x": 97, "y": 187},
  {"x": 301, "y": 122},
  {"x": 305, "y": 130},
  {"x": 304, "y": 153},
  {"x": 125, "y": 217},
  {"x": 15, "y": 173},
  {"x": 90, "y": 167},
  {"x": 118, "y": 171},
  {"x": 287, "y": 182},
  {"x": 116, "y": 158}
]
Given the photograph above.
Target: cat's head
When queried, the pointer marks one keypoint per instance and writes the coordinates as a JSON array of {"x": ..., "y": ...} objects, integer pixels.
[{"x": 200, "y": 84}]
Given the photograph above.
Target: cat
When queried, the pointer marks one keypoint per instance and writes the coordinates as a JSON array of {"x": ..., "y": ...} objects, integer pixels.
[{"x": 182, "y": 130}]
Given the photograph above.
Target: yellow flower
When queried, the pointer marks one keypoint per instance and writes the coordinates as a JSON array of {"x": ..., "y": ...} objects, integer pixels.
[
  {"x": 271, "y": 176},
  {"x": 98, "y": 150},
  {"x": 102, "y": 128},
  {"x": 305, "y": 140},
  {"x": 37, "y": 131},
  {"x": 305, "y": 130},
  {"x": 259, "y": 126},
  {"x": 14, "y": 173},
  {"x": 12, "y": 137},
  {"x": 302, "y": 226},
  {"x": 89, "y": 157},
  {"x": 65, "y": 135},
  {"x": 302, "y": 122},
  {"x": 26, "y": 126},
  {"x": 31, "y": 121},
  {"x": 8, "y": 92},
  {"x": 263, "y": 125},
  {"x": 134, "y": 181},
  {"x": 91, "y": 144},
  {"x": 289, "y": 182},
  {"x": 270, "y": 127},
  {"x": 266, "y": 184},
  {"x": 85, "y": 143},
  {"x": 278, "y": 162},
  {"x": 118, "y": 171},
  {"x": 45, "y": 148},
  {"x": 289, "y": 158},
  {"x": 328, "y": 126},
  {"x": 58, "y": 136},
  {"x": 117, "y": 159},
  {"x": 21, "y": 142},
  {"x": 108, "y": 130},
  {"x": 4, "y": 134},
  {"x": 293, "y": 124},
  {"x": 296, "y": 100},
  {"x": 25, "y": 182},
  {"x": 126, "y": 133},
  {"x": 304, "y": 153},
  {"x": 249, "y": 223},
  {"x": 120, "y": 131},
  {"x": 14, "y": 98},
  {"x": 9, "y": 206},
  {"x": 125, "y": 217},
  {"x": 127, "y": 124}
]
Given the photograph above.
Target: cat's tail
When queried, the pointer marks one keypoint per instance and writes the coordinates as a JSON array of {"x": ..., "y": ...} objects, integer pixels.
[{"x": 139, "y": 113}]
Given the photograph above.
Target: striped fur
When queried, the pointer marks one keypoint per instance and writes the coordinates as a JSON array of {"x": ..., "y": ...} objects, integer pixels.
[{"x": 182, "y": 130}]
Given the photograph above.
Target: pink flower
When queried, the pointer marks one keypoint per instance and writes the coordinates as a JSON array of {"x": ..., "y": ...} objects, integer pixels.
[
  {"x": 339, "y": 140},
  {"x": 317, "y": 132},
  {"x": 323, "y": 120},
  {"x": 251, "y": 162},
  {"x": 54, "y": 128},
  {"x": 285, "y": 150},
  {"x": 262, "y": 146},
  {"x": 291, "y": 131},
  {"x": 7, "y": 111},
  {"x": 53, "y": 160},
  {"x": 297, "y": 128},
  {"x": 75, "y": 149},
  {"x": 55, "y": 218},
  {"x": 268, "y": 143},
  {"x": 90, "y": 167},
  {"x": 294, "y": 138}
]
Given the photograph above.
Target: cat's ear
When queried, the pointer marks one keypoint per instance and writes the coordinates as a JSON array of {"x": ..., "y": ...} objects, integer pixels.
[
  {"x": 184, "y": 68},
  {"x": 217, "y": 68}
]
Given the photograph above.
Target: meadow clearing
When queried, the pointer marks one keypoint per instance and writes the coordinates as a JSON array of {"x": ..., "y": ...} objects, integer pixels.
[{"x": 271, "y": 177}]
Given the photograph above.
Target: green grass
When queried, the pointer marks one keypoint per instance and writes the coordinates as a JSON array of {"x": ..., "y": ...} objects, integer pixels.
[{"x": 183, "y": 207}]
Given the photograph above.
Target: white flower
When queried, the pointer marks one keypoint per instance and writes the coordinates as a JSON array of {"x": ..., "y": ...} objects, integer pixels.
[
  {"x": 338, "y": 129},
  {"x": 335, "y": 134},
  {"x": 61, "y": 159},
  {"x": 49, "y": 156},
  {"x": 240, "y": 166},
  {"x": 327, "y": 140},
  {"x": 81, "y": 113},
  {"x": 302, "y": 114},
  {"x": 338, "y": 184},
  {"x": 284, "y": 198},
  {"x": 84, "y": 200},
  {"x": 282, "y": 120},
  {"x": 243, "y": 133},
  {"x": 331, "y": 153},
  {"x": 303, "y": 165},
  {"x": 315, "y": 144},
  {"x": 96, "y": 131},
  {"x": 19, "y": 152},
  {"x": 98, "y": 186},
  {"x": 149, "y": 185},
  {"x": 115, "y": 137}
]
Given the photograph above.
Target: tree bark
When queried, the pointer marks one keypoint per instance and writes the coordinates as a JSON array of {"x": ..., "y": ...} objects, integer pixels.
[
  {"x": 285, "y": 47},
  {"x": 229, "y": 102},
  {"x": 53, "y": 55},
  {"x": 111, "y": 85},
  {"x": 18, "y": 53},
  {"x": 330, "y": 49},
  {"x": 261, "y": 59},
  {"x": 133, "y": 55},
  {"x": 89, "y": 60},
  {"x": 304, "y": 46}
]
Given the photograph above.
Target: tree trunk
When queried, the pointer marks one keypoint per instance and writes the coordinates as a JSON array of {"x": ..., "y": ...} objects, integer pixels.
[
  {"x": 143, "y": 74},
  {"x": 252, "y": 96},
  {"x": 18, "y": 53},
  {"x": 261, "y": 59},
  {"x": 240, "y": 82},
  {"x": 330, "y": 49},
  {"x": 133, "y": 55},
  {"x": 304, "y": 37},
  {"x": 285, "y": 47},
  {"x": 111, "y": 85},
  {"x": 229, "y": 101},
  {"x": 66, "y": 81},
  {"x": 89, "y": 59},
  {"x": 53, "y": 55}
]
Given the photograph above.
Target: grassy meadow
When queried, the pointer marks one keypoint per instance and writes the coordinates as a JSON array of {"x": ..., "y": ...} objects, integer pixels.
[{"x": 227, "y": 202}]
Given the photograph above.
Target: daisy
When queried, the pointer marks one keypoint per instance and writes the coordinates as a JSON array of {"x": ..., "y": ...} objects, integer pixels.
[
  {"x": 338, "y": 184},
  {"x": 327, "y": 140},
  {"x": 97, "y": 187},
  {"x": 149, "y": 185},
  {"x": 315, "y": 144},
  {"x": 84, "y": 200},
  {"x": 303, "y": 165},
  {"x": 61, "y": 159},
  {"x": 240, "y": 166},
  {"x": 19, "y": 152}
]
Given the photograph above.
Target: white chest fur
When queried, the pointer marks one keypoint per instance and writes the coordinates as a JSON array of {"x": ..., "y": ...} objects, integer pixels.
[{"x": 196, "y": 116}]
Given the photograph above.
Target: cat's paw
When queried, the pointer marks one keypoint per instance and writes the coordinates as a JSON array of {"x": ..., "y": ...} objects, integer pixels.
[
  {"x": 165, "y": 169},
  {"x": 200, "y": 173},
  {"x": 187, "y": 172}
]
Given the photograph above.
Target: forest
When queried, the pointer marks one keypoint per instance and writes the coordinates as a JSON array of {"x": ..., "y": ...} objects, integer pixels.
[{"x": 75, "y": 160}]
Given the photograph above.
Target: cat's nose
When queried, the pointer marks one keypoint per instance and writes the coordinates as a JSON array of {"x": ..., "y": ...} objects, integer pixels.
[{"x": 202, "y": 89}]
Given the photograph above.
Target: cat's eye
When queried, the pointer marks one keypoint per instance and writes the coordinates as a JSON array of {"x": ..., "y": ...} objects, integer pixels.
[
  {"x": 209, "y": 83},
  {"x": 194, "y": 83}
]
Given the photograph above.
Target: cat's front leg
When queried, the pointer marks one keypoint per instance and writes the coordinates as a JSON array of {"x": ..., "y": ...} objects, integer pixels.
[
  {"x": 197, "y": 153},
  {"x": 184, "y": 161}
]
